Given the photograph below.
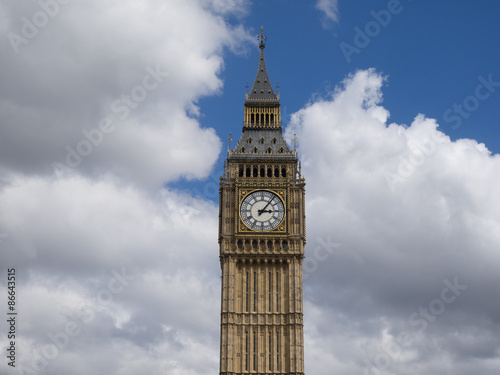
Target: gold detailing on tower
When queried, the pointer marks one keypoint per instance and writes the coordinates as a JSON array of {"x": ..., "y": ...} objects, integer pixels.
[{"x": 262, "y": 116}]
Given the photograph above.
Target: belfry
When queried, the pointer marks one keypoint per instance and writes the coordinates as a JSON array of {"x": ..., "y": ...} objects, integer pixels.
[{"x": 261, "y": 242}]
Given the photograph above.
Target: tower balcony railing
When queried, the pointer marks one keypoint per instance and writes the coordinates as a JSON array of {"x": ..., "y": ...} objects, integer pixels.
[
  {"x": 262, "y": 125},
  {"x": 285, "y": 155}
]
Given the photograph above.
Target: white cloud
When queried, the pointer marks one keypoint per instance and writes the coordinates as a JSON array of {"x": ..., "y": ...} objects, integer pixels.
[
  {"x": 411, "y": 210},
  {"x": 329, "y": 8},
  {"x": 142, "y": 66},
  {"x": 130, "y": 73},
  {"x": 118, "y": 264}
]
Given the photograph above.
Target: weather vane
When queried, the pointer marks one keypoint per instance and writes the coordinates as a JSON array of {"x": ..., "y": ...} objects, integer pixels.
[{"x": 262, "y": 37}]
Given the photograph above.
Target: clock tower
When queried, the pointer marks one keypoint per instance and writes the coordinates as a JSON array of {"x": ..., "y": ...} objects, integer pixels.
[{"x": 261, "y": 242}]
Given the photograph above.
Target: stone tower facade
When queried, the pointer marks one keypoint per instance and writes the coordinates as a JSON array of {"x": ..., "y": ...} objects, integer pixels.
[{"x": 261, "y": 239}]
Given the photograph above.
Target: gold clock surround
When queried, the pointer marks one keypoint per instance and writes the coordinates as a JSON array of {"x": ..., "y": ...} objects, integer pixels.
[{"x": 281, "y": 228}]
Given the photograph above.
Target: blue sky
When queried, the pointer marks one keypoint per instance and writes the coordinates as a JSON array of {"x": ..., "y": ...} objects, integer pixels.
[
  {"x": 114, "y": 119},
  {"x": 432, "y": 54}
]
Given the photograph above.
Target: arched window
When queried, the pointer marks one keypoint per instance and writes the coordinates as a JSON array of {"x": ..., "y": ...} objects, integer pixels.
[
  {"x": 269, "y": 245},
  {"x": 247, "y": 286},
  {"x": 274, "y": 141},
  {"x": 284, "y": 245},
  {"x": 261, "y": 118},
  {"x": 240, "y": 244},
  {"x": 272, "y": 118},
  {"x": 270, "y": 297},
  {"x": 246, "y": 350},
  {"x": 269, "y": 172},
  {"x": 255, "y": 174},
  {"x": 249, "y": 140},
  {"x": 267, "y": 118},
  {"x": 261, "y": 141},
  {"x": 243, "y": 149},
  {"x": 277, "y": 351},
  {"x": 254, "y": 244},
  {"x": 277, "y": 291},
  {"x": 270, "y": 345},
  {"x": 248, "y": 172},
  {"x": 283, "y": 172},
  {"x": 269, "y": 151},
  {"x": 254, "y": 350},
  {"x": 276, "y": 172},
  {"x": 281, "y": 150},
  {"x": 252, "y": 119},
  {"x": 241, "y": 172},
  {"x": 255, "y": 282},
  {"x": 262, "y": 172},
  {"x": 255, "y": 150}
]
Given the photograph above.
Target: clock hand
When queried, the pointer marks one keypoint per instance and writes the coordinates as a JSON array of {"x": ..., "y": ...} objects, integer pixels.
[{"x": 268, "y": 203}]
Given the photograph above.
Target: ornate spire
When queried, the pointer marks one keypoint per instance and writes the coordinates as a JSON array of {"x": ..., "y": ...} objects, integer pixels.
[
  {"x": 262, "y": 38},
  {"x": 262, "y": 89}
]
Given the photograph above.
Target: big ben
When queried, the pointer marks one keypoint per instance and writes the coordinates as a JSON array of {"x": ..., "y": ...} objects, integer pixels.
[{"x": 261, "y": 242}]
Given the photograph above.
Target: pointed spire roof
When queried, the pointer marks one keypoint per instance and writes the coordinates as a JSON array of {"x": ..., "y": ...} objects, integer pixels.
[{"x": 262, "y": 89}]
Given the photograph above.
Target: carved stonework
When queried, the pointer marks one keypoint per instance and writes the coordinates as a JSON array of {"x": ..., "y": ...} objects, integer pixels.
[{"x": 259, "y": 258}]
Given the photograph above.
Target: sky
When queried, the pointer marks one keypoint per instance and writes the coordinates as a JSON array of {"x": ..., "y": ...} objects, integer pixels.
[{"x": 114, "y": 125}]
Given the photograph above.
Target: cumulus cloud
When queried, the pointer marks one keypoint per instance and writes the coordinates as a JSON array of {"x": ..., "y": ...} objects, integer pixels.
[
  {"x": 122, "y": 269},
  {"x": 416, "y": 222},
  {"x": 134, "y": 69},
  {"x": 99, "y": 111}
]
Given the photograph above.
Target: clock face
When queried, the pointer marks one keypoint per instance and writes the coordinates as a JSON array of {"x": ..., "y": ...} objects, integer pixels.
[{"x": 262, "y": 210}]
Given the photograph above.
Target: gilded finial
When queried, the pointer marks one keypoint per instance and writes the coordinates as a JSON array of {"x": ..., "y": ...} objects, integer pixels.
[
  {"x": 294, "y": 143},
  {"x": 262, "y": 38},
  {"x": 230, "y": 138}
]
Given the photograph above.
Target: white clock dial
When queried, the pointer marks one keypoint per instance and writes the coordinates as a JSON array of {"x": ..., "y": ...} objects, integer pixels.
[{"x": 262, "y": 210}]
